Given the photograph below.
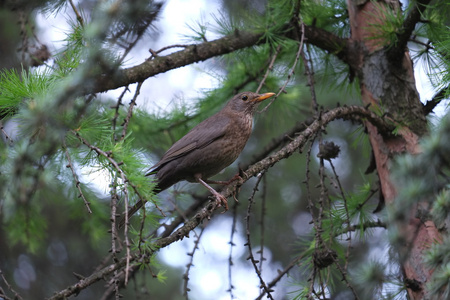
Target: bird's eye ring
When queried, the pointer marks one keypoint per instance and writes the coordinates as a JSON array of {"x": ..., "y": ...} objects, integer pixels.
[{"x": 245, "y": 98}]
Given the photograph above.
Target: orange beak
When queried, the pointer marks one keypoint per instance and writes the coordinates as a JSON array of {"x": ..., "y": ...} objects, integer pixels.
[{"x": 263, "y": 97}]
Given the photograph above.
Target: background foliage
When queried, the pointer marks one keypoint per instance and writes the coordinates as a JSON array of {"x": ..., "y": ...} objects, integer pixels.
[{"x": 310, "y": 226}]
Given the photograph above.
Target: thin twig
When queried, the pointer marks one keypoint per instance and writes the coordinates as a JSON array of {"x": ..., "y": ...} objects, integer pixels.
[
  {"x": 117, "y": 107},
  {"x": 7, "y": 137},
  {"x": 141, "y": 231},
  {"x": 323, "y": 201},
  {"x": 127, "y": 119},
  {"x": 16, "y": 295},
  {"x": 75, "y": 10},
  {"x": 249, "y": 244},
  {"x": 269, "y": 68},
  {"x": 290, "y": 74},
  {"x": 144, "y": 200},
  {"x": 116, "y": 166},
  {"x": 344, "y": 278},
  {"x": 178, "y": 209},
  {"x": 309, "y": 71},
  {"x": 155, "y": 53},
  {"x": 263, "y": 214},
  {"x": 129, "y": 46},
  {"x": 372, "y": 192},
  {"x": 320, "y": 245},
  {"x": 190, "y": 264},
  {"x": 232, "y": 244},
  {"x": 310, "y": 206},
  {"x": 114, "y": 233},
  {"x": 363, "y": 226},
  {"x": 347, "y": 215},
  {"x": 280, "y": 276},
  {"x": 437, "y": 98},
  {"x": 75, "y": 177},
  {"x": 23, "y": 21}
]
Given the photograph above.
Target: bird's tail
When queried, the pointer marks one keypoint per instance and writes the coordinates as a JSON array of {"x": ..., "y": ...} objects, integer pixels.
[
  {"x": 134, "y": 209},
  {"x": 131, "y": 212},
  {"x": 162, "y": 183}
]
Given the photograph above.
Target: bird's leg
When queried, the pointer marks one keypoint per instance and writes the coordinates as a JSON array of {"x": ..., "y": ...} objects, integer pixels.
[
  {"x": 235, "y": 177},
  {"x": 219, "y": 198}
]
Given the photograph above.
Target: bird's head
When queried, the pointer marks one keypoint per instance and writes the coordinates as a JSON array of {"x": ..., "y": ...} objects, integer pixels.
[{"x": 247, "y": 102}]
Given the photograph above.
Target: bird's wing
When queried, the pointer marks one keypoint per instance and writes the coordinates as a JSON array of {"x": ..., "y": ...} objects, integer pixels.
[{"x": 199, "y": 137}]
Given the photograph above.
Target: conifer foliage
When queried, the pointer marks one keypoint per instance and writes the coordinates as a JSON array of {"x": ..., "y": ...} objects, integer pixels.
[{"x": 343, "y": 190}]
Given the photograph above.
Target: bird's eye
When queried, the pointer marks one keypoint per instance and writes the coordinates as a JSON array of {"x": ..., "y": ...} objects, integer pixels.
[{"x": 245, "y": 98}]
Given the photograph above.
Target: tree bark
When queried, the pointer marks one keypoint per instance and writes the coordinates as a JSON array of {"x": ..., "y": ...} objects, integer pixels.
[
  {"x": 206, "y": 50},
  {"x": 385, "y": 73}
]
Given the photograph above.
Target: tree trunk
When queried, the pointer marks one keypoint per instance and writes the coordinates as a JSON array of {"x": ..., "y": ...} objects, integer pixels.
[{"x": 387, "y": 83}]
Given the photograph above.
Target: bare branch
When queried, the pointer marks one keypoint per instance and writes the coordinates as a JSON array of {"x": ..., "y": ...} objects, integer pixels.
[
  {"x": 155, "y": 53},
  {"x": 431, "y": 104},
  {"x": 269, "y": 68},
  {"x": 186, "y": 289},
  {"x": 207, "y": 211},
  {"x": 7, "y": 137},
  {"x": 191, "y": 54},
  {"x": 2, "y": 293},
  {"x": 126, "y": 121},
  {"x": 124, "y": 179},
  {"x": 251, "y": 257},
  {"x": 289, "y": 76},
  {"x": 75, "y": 10},
  {"x": 406, "y": 30},
  {"x": 117, "y": 107},
  {"x": 232, "y": 244},
  {"x": 279, "y": 276},
  {"x": 347, "y": 214},
  {"x": 77, "y": 181},
  {"x": 200, "y": 52}
]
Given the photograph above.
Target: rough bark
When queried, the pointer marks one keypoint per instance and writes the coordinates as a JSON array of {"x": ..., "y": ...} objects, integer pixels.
[
  {"x": 386, "y": 77},
  {"x": 200, "y": 52}
]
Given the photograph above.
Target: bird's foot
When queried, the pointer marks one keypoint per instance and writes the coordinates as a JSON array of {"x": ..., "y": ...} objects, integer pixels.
[
  {"x": 222, "y": 201},
  {"x": 235, "y": 177}
]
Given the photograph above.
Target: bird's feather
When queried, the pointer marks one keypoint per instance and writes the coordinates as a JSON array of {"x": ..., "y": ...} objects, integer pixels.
[{"x": 199, "y": 137}]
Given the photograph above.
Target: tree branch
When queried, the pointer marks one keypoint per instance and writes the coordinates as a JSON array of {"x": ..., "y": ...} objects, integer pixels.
[
  {"x": 200, "y": 52},
  {"x": 406, "y": 30},
  {"x": 206, "y": 212},
  {"x": 437, "y": 98},
  {"x": 187, "y": 56},
  {"x": 319, "y": 37}
]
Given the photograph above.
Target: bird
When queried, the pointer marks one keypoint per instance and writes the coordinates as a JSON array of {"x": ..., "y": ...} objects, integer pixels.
[{"x": 208, "y": 148}]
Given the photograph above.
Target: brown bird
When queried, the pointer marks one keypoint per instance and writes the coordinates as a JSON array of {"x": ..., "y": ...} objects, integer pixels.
[{"x": 208, "y": 148}]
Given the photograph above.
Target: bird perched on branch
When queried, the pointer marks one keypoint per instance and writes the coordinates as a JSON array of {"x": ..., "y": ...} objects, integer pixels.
[{"x": 208, "y": 148}]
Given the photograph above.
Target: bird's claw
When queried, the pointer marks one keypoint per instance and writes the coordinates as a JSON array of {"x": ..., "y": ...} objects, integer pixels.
[
  {"x": 222, "y": 201},
  {"x": 237, "y": 177}
]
